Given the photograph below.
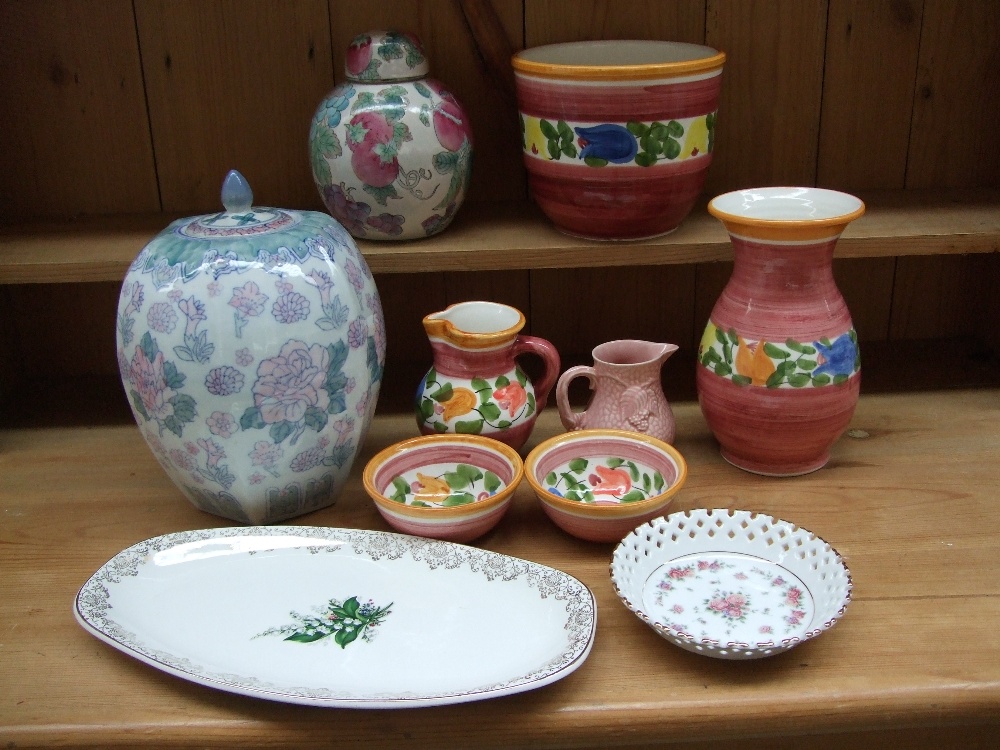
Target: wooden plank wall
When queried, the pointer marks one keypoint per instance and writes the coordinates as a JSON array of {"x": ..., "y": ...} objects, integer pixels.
[{"x": 118, "y": 106}]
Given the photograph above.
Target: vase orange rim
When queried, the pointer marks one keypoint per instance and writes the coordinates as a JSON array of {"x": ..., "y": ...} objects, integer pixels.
[
  {"x": 729, "y": 217},
  {"x": 639, "y": 71}
]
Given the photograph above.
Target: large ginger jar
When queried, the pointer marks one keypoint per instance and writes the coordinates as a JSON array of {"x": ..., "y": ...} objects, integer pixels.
[
  {"x": 391, "y": 148},
  {"x": 251, "y": 344}
]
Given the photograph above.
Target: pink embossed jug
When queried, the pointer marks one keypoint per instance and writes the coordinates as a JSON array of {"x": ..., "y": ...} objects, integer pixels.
[{"x": 627, "y": 394}]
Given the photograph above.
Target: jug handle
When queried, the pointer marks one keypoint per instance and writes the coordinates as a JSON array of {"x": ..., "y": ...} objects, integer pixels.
[
  {"x": 572, "y": 420},
  {"x": 545, "y": 351}
]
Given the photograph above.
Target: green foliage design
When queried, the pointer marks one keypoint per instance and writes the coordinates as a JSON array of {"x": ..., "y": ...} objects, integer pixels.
[
  {"x": 559, "y": 139},
  {"x": 656, "y": 141},
  {"x": 344, "y": 621}
]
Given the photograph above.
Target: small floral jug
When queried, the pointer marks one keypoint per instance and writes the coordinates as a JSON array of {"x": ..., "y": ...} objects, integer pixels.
[
  {"x": 476, "y": 385},
  {"x": 627, "y": 393}
]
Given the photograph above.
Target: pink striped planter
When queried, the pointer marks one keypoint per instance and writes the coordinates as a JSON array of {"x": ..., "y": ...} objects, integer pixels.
[
  {"x": 617, "y": 135},
  {"x": 778, "y": 371}
]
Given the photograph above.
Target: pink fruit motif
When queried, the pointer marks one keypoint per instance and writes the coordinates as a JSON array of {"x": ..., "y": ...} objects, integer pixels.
[
  {"x": 371, "y": 167},
  {"x": 359, "y": 55},
  {"x": 450, "y": 125}
]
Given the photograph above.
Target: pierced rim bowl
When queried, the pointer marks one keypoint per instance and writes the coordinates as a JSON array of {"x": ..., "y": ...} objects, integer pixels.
[{"x": 731, "y": 584}]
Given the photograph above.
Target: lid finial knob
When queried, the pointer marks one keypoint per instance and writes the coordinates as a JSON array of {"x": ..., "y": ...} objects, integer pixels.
[{"x": 237, "y": 197}]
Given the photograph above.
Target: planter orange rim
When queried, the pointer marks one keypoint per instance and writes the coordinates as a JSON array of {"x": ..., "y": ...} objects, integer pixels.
[
  {"x": 624, "y": 72},
  {"x": 605, "y": 511},
  {"x": 454, "y": 512}
]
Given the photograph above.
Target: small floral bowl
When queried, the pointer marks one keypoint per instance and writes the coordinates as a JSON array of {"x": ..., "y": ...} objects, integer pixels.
[
  {"x": 731, "y": 584},
  {"x": 598, "y": 484},
  {"x": 451, "y": 487},
  {"x": 617, "y": 135}
]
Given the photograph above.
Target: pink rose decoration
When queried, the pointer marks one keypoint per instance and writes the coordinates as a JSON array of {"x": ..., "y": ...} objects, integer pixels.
[
  {"x": 151, "y": 384},
  {"x": 288, "y": 384}
]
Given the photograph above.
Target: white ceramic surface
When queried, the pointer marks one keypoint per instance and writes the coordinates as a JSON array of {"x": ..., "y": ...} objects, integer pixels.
[
  {"x": 731, "y": 584},
  {"x": 414, "y": 622},
  {"x": 251, "y": 345},
  {"x": 391, "y": 148}
]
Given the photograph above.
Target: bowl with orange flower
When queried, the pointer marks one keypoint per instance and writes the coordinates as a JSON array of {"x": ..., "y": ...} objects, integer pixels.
[
  {"x": 598, "y": 484},
  {"x": 451, "y": 487}
]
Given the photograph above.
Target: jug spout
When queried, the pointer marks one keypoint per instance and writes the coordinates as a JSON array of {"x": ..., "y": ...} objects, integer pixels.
[
  {"x": 630, "y": 352},
  {"x": 475, "y": 325}
]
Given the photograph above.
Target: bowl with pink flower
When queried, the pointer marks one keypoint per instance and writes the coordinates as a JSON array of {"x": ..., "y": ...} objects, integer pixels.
[
  {"x": 731, "y": 584},
  {"x": 597, "y": 484},
  {"x": 451, "y": 487}
]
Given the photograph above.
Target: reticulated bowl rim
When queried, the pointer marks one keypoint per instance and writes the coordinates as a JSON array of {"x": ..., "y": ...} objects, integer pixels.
[{"x": 701, "y": 518}]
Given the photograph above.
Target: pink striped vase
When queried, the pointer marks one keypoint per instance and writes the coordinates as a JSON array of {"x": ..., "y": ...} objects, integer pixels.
[{"x": 778, "y": 370}]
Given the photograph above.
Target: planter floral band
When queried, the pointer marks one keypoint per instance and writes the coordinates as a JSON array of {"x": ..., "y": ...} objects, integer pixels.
[{"x": 614, "y": 144}]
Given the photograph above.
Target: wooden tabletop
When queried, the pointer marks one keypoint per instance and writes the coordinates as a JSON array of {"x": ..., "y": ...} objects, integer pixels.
[{"x": 910, "y": 499}]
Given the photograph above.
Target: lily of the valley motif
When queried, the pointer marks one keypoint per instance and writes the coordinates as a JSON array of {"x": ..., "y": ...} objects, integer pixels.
[{"x": 785, "y": 364}]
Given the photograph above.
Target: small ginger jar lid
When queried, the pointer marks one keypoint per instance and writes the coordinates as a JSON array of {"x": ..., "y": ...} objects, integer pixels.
[
  {"x": 240, "y": 234},
  {"x": 380, "y": 56}
]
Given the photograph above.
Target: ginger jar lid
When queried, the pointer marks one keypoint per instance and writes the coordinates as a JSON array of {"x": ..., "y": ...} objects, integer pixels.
[
  {"x": 379, "y": 56},
  {"x": 241, "y": 235}
]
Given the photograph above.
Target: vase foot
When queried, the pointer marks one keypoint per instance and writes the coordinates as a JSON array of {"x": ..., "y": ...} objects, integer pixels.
[{"x": 792, "y": 469}]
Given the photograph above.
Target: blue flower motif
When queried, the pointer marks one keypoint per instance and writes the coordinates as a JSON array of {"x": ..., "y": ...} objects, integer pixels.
[
  {"x": 555, "y": 492},
  {"x": 609, "y": 142},
  {"x": 839, "y": 355}
]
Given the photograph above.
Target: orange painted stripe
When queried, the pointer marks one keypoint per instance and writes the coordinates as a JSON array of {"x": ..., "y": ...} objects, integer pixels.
[{"x": 643, "y": 72}]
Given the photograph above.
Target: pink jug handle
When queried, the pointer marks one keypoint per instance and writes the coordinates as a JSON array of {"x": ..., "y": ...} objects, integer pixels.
[
  {"x": 545, "y": 351},
  {"x": 572, "y": 420}
]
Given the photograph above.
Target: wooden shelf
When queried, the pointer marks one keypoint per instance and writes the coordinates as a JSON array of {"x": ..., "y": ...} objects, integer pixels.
[
  {"x": 909, "y": 499},
  {"x": 517, "y": 236}
]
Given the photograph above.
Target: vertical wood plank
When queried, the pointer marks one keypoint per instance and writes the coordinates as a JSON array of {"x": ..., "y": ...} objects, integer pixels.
[
  {"x": 935, "y": 297},
  {"x": 953, "y": 140},
  {"x": 769, "y": 111},
  {"x": 233, "y": 85},
  {"x": 551, "y": 21},
  {"x": 952, "y": 143},
  {"x": 65, "y": 330},
  {"x": 986, "y": 314},
  {"x": 866, "y": 284},
  {"x": 74, "y": 123},
  {"x": 871, "y": 67},
  {"x": 598, "y": 305},
  {"x": 406, "y": 299},
  {"x": 505, "y": 287},
  {"x": 455, "y": 61}
]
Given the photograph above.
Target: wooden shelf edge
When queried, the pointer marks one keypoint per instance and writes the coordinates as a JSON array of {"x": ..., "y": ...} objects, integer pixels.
[{"x": 517, "y": 236}]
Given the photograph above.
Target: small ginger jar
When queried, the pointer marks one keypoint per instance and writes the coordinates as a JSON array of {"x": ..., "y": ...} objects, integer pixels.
[
  {"x": 391, "y": 148},
  {"x": 251, "y": 344}
]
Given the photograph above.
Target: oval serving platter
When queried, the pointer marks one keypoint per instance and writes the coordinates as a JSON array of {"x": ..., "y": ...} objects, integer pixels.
[{"x": 340, "y": 617}]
